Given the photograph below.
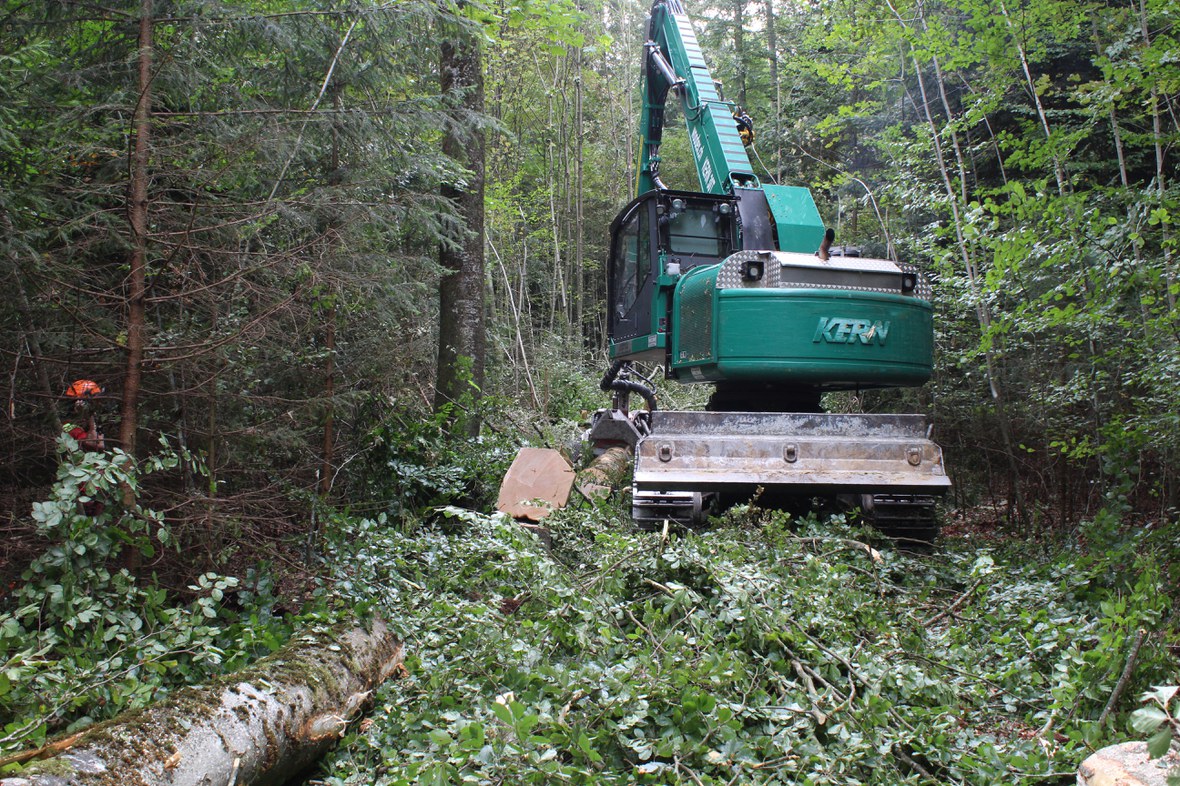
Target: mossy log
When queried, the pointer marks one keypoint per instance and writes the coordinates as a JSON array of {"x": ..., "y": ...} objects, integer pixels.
[{"x": 262, "y": 725}]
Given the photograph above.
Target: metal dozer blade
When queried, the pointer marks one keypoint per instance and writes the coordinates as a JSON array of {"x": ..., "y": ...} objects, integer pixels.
[
  {"x": 689, "y": 465},
  {"x": 885, "y": 465}
]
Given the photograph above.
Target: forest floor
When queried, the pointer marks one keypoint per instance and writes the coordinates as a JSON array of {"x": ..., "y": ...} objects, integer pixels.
[{"x": 762, "y": 650}]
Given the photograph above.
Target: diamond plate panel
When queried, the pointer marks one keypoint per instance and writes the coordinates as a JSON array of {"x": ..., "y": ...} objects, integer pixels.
[{"x": 786, "y": 270}]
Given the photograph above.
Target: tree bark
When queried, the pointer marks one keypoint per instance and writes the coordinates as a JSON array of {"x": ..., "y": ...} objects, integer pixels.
[
  {"x": 461, "y": 345},
  {"x": 137, "y": 216},
  {"x": 605, "y": 473},
  {"x": 33, "y": 336},
  {"x": 262, "y": 725},
  {"x": 1042, "y": 115},
  {"x": 775, "y": 90},
  {"x": 328, "y": 442},
  {"x": 1157, "y": 139},
  {"x": 983, "y": 315}
]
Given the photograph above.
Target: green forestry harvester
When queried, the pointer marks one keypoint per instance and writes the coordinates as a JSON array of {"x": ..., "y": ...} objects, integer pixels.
[{"x": 738, "y": 285}]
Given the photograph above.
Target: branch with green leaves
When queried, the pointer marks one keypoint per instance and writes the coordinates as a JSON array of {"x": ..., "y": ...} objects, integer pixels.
[{"x": 1160, "y": 718}]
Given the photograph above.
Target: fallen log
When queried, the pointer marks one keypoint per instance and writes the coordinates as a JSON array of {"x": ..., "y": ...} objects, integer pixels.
[
  {"x": 540, "y": 479},
  {"x": 262, "y": 725},
  {"x": 606, "y": 472}
]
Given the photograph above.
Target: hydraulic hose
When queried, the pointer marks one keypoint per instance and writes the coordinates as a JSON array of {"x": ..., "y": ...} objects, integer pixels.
[
  {"x": 611, "y": 382},
  {"x": 627, "y": 386},
  {"x": 610, "y": 375}
]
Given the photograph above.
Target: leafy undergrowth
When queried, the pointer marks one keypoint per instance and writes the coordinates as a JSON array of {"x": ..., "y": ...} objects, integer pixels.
[
  {"x": 83, "y": 637},
  {"x": 761, "y": 651}
]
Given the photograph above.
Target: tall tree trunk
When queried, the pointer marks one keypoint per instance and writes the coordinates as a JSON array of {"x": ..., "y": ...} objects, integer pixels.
[
  {"x": 999, "y": 400},
  {"x": 328, "y": 442},
  {"x": 329, "y": 437},
  {"x": 775, "y": 90},
  {"x": 137, "y": 215},
  {"x": 1158, "y": 144},
  {"x": 1058, "y": 169},
  {"x": 1116, "y": 132},
  {"x": 956, "y": 200},
  {"x": 739, "y": 49},
  {"x": 461, "y": 291},
  {"x": 33, "y": 335},
  {"x": 582, "y": 293}
]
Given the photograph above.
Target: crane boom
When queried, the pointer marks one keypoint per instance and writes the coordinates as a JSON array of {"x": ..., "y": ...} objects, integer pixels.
[
  {"x": 673, "y": 61},
  {"x": 770, "y": 216}
]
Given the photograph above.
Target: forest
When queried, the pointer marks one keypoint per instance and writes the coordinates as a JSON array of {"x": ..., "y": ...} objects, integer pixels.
[{"x": 329, "y": 265}]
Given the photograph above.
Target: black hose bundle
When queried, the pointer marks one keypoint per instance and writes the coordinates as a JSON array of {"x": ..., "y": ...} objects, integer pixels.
[{"x": 611, "y": 382}]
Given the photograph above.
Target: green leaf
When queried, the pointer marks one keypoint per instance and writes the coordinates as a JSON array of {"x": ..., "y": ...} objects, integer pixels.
[
  {"x": 526, "y": 723},
  {"x": 436, "y": 774},
  {"x": 1147, "y": 719},
  {"x": 502, "y": 712},
  {"x": 1160, "y": 742},
  {"x": 1162, "y": 694}
]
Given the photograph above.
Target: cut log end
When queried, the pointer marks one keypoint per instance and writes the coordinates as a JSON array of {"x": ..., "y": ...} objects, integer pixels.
[
  {"x": 1127, "y": 764},
  {"x": 537, "y": 483}
]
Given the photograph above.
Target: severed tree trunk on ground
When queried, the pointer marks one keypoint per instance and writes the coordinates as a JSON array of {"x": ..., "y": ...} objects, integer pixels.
[
  {"x": 263, "y": 725},
  {"x": 461, "y": 345},
  {"x": 606, "y": 473}
]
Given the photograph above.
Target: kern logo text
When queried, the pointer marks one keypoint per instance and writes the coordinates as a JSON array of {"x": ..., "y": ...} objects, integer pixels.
[{"x": 841, "y": 330}]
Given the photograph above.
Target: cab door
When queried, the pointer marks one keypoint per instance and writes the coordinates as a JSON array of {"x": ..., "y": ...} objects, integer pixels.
[{"x": 631, "y": 272}]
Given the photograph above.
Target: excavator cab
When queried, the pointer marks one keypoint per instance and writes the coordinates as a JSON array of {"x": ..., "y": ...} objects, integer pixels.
[
  {"x": 656, "y": 238},
  {"x": 684, "y": 292}
]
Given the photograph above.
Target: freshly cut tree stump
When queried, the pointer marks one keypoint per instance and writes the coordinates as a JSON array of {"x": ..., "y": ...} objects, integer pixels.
[
  {"x": 263, "y": 725},
  {"x": 537, "y": 483},
  {"x": 1127, "y": 764}
]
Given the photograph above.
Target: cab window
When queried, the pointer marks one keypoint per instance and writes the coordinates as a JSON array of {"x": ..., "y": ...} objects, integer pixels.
[
  {"x": 632, "y": 261},
  {"x": 694, "y": 232}
]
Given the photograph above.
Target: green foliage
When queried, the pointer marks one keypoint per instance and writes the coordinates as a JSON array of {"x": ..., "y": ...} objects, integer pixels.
[
  {"x": 296, "y": 148},
  {"x": 751, "y": 654},
  {"x": 82, "y": 638},
  {"x": 1160, "y": 719},
  {"x": 417, "y": 462}
]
